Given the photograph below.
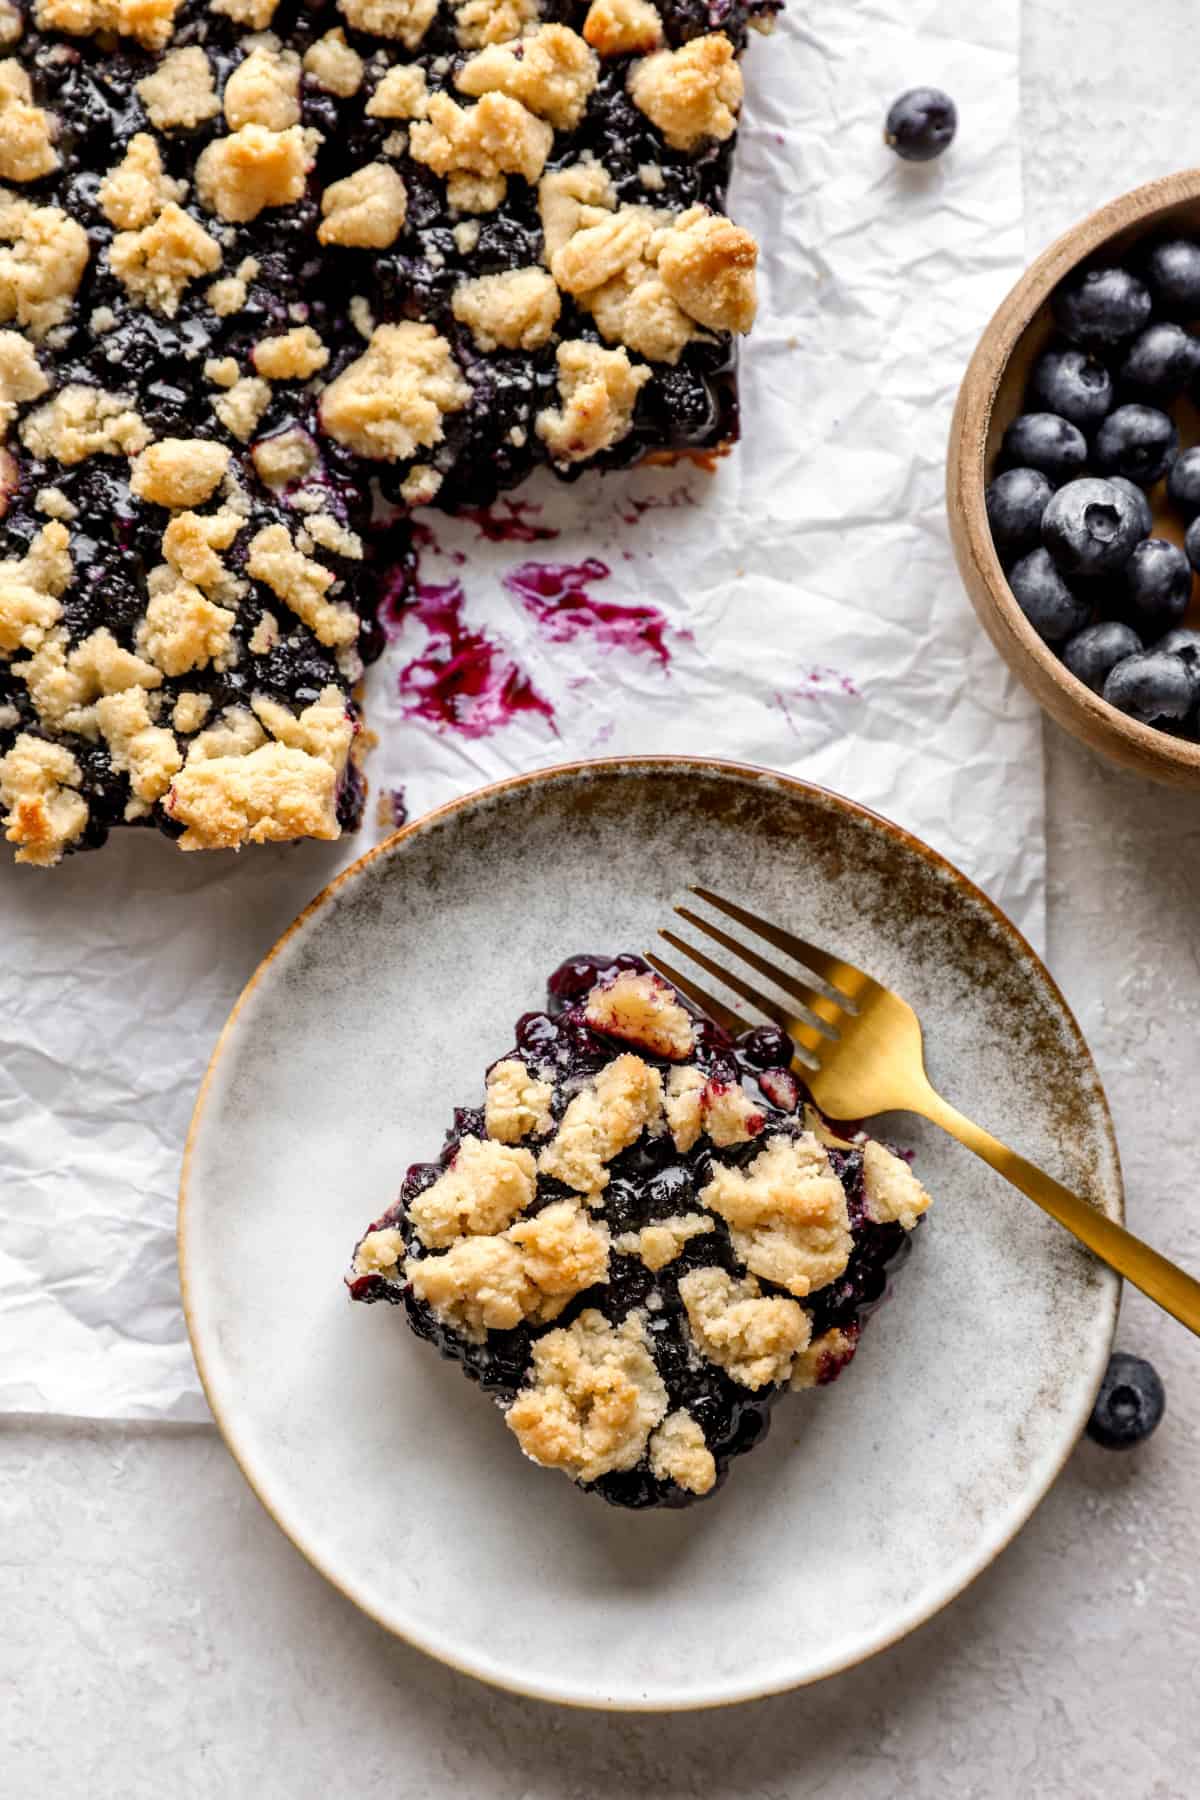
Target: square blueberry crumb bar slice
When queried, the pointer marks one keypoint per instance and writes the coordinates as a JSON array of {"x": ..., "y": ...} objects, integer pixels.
[
  {"x": 643, "y": 1238},
  {"x": 271, "y": 276}
]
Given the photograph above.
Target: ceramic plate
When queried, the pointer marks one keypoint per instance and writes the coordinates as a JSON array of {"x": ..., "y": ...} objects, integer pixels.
[{"x": 875, "y": 1500}]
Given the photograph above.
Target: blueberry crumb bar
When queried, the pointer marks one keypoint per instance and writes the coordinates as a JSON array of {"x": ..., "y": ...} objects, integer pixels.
[{"x": 643, "y": 1238}]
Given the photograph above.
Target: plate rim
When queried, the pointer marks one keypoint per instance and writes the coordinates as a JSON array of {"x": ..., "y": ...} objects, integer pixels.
[{"x": 566, "y": 772}]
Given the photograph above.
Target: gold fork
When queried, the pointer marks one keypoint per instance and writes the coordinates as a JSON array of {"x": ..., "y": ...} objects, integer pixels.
[{"x": 859, "y": 1052}]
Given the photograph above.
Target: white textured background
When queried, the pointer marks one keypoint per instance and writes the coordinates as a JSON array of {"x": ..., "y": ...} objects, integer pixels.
[{"x": 182, "y": 1648}]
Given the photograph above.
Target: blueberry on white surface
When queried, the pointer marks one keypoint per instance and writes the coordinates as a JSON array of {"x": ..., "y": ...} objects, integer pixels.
[
  {"x": 1130, "y": 1404},
  {"x": 1072, "y": 384},
  {"x": 1172, "y": 271},
  {"x": 1159, "y": 362},
  {"x": 1154, "y": 588},
  {"x": 1093, "y": 653},
  {"x": 1138, "y": 442},
  {"x": 1015, "y": 503},
  {"x": 1102, "y": 307},
  {"x": 1153, "y": 687},
  {"x": 921, "y": 124},
  {"x": 1145, "y": 511},
  {"x": 1183, "y": 482},
  {"x": 1045, "y": 598},
  {"x": 1046, "y": 442},
  {"x": 1090, "y": 527}
]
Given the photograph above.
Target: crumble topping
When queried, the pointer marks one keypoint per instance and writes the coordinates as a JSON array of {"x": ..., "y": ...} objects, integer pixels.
[
  {"x": 728, "y": 1114},
  {"x": 43, "y": 254},
  {"x": 420, "y": 485},
  {"x": 597, "y": 390},
  {"x": 603, "y": 1119},
  {"x": 401, "y": 94},
  {"x": 752, "y": 1336},
  {"x": 366, "y": 209},
  {"x": 893, "y": 1193},
  {"x": 786, "y": 1214},
  {"x": 178, "y": 472},
  {"x": 264, "y": 89},
  {"x": 594, "y": 1398},
  {"x": 707, "y": 265},
  {"x": 645, "y": 1011},
  {"x": 477, "y": 147},
  {"x": 292, "y": 356},
  {"x": 12, "y": 23},
  {"x": 63, "y": 683},
  {"x": 681, "y": 1104},
  {"x": 257, "y": 14},
  {"x": 190, "y": 711},
  {"x": 531, "y": 1271},
  {"x": 623, "y": 27},
  {"x": 692, "y": 93},
  {"x": 26, "y": 131},
  {"x": 222, "y": 371},
  {"x": 268, "y": 795},
  {"x": 324, "y": 729},
  {"x": 333, "y": 536},
  {"x": 391, "y": 401},
  {"x": 405, "y": 20},
  {"x": 824, "y": 1354},
  {"x": 44, "y": 810},
  {"x": 30, "y": 586},
  {"x": 551, "y": 72},
  {"x": 678, "y": 1451},
  {"x": 265, "y": 635},
  {"x": 182, "y": 630},
  {"x": 241, "y": 175},
  {"x": 137, "y": 746},
  {"x": 21, "y": 376},
  {"x": 563, "y": 197},
  {"x": 517, "y": 310},
  {"x": 661, "y": 1242},
  {"x": 136, "y": 189},
  {"x": 380, "y": 1253},
  {"x": 190, "y": 545},
  {"x": 478, "y": 22},
  {"x": 236, "y": 733},
  {"x": 84, "y": 421},
  {"x": 334, "y": 64},
  {"x": 517, "y": 1103},
  {"x": 481, "y": 1193},
  {"x": 54, "y": 503},
  {"x": 240, "y": 409},
  {"x": 150, "y": 22},
  {"x": 284, "y": 458},
  {"x": 180, "y": 93},
  {"x": 302, "y": 584},
  {"x": 156, "y": 263}
]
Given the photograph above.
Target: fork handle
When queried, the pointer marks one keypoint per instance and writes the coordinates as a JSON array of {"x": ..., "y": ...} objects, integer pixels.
[{"x": 1164, "y": 1282}]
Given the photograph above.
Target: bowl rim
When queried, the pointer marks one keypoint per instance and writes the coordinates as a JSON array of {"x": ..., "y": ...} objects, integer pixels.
[
  {"x": 966, "y": 466},
  {"x": 616, "y": 766}
]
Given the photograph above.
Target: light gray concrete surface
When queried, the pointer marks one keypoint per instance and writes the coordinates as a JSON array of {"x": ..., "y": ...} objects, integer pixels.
[{"x": 184, "y": 1649}]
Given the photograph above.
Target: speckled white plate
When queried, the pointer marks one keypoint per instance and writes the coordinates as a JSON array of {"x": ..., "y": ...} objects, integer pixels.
[{"x": 874, "y": 1501}]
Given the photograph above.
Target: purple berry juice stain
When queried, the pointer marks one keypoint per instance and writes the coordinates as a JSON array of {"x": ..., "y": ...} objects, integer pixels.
[
  {"x": 558, "y": 596},
  {"x": 462, "y": 680},
  {"x": 509, "y": 522}
]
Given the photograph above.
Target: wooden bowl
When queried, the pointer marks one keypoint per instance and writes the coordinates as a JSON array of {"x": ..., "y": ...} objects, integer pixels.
[{"x": 990, "y": 398}]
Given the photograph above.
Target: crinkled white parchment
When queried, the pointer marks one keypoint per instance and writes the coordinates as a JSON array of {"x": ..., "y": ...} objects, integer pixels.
[{"x": 815, "y": 622}]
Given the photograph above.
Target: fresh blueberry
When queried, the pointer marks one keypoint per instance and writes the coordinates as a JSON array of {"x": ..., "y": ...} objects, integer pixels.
[
  {"x": 1102, "y": 306},
  {"x": 1048, "y": 443},
  {"x": 1154, "y": 588},
  {"x": 1091, "y": 527},
  {"x": 1016, "y": 502},
  {"x": 1152, "y": 687},
  {"x": 1173, "y": 272},
  {"x": 1044, "y": 597},
  {"x": 921, "y": 124},
  {"x": 1093, "y": 653},
  {"x": 1184, "y": 643},
  {"x": 1130, "y": 1404},
  {"x": 1159, "y": 362},
  {"x": 1138, "y": 442},
  {"x": 1183, "y": 483},
  {"x": 1191, "y": 543},
  {"x": 1074, "y": 385},
  {"x": 1145, "y": 511}
]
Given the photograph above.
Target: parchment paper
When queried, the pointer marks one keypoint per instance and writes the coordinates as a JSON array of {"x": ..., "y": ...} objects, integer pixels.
[{"x": 809, "y": 617}]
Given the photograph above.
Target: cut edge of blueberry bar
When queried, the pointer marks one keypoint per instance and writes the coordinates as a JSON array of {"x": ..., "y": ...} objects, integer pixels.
[
  {"x": 643, "y": 1238},
  {"x": 273, "y": 275}
]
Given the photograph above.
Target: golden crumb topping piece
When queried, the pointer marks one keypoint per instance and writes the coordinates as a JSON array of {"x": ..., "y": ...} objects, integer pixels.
[
  {"x": 268, "y": 795},
  {"x": 63, "y": 683},
  {"x": 12, "y": 23},
  {"x": 324, "y": 728},
  {"x": 727, "y": 1113},
  {"x": 479, "y": 22},
  {"x": 752, "y": 1336},
  {"x": 623, "y": 27},
  {"x": 692, "y": 93},
  {"x": 531, "y": 1271},
  {"x": 302, "y": 583},
  {"x": 179, "y": 472},
  {"x": 602, "y": 246},
  {"x": 391, "y": 400},
  {"x": 146, "y": 752},
  {"x": 786, "y": 1214},
  {"x": 594, "y": 1396},
  {"x": 240, "y": 409},
  {"x": 183, "y": 630},
  {"x": 136, "y": 189},
  {"x": 597, "y": 391},
  {"x": 292, "y": 356},
  {"x": 892, "y": 1192},
  {"x": 682, "y": 1106},
  {"x": 26, "y": 131},
  {"x": 707, "y": 265},
  {"x": 333, "y": 536},
  {"x": 478, "y": 147},
  {"x": 256, "y": 15},
  {"x": 264, "y": 89},
  {"x": 335, "y": 65},
  {"x": 44, "y": 812},
  {"x": 406, "y": 21},
  {"x": 604, "y": 1118},
  {"x": 824, "y": 1358},
  {"x": 643, "y": 1009},
  {"x": 662, "y": 1241},
  {"x": 84, "y": 421},
  {"x": 190, "y": 711},
  {"x": 420, "y": 485},
  {"x": 517, "y": 310},
  {"x": 552, "y": 72},
  {"x": 285, "y": 457},
  {"x": 486, "y": 1185},
  {"x": 191, "y": 542},
  {"x": 22, "y": 377},
  {"x": 678, "y": 1451},
  {"x": 155, "y": 264},
  {"x": 252, "y": 169},
  {"x": 401, "y": 94},
  {"x": 570, "y": 198},
  {"x": 180, "y": 94},
  {"x": 365, "y": 209},
  {"x": 43, "y": 254},
  {"x": 517, "y": 1103},
  {"x": 30, "y": 587},
  {"x": 150, "y": 22},
  {"x": 380, "y": 1253}
]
